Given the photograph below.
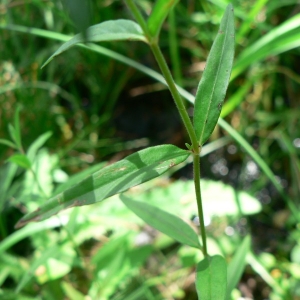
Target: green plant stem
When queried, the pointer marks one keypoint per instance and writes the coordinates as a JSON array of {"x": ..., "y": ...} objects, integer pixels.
[
  {"x": 189, "y": 126},
  {"x": 196, "y": 166},
  {"x": 176, "y": 96},
  {"x": 153, "y": 43}
]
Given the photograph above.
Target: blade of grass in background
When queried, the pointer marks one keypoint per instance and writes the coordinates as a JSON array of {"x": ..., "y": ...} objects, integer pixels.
[
  {"x": 236, "y": 265},
  {"x": 250, "y": 17},
  {"x": 30, "y": 230},
  {"x": 261, "y": 163},
  {"x": 174, "y": 48},
  {"x": 49, "y": 253},
  {"x": 265, "y": 275},
  {"x": 283, "y": 38},
  {"x": 51, "y": 87},
  {"x": 117, "y": 30}
]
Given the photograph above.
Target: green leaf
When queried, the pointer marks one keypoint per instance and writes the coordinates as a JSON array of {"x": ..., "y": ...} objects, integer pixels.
[
  {"x": 163, "y": 221},
  {"x": 71, "y": 292},
  {"x": 20, "y": 160},
  {"x": 237, "y": 265},
  {"x": 218, "y": 199},
  {"x": 7, "y": 174},
  {"x": 295, "y": 254},
  {"x": 211, "y": 278},
  {"x": 8, "y": 143},
  {"x": 37, "y": 144},
  {"x": 116, "y": 30},
  {"x": 30, "y": 231},
  {"x": 15, "y": 136},
  {"x": 50, "y": 252},
  {"x": 159, "y": 13},
  {"x": 17, "y": 127},
  {"x": 214, "y": 82},
  {"x": 280, "y": 39},
  {"x": 118, "y": 177},
  {"x": 261, "y": 163}
]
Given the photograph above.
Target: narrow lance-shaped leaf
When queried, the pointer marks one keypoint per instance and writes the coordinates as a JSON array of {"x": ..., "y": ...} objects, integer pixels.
[
  {"x": 214, "y": 82},
  {"x": 20, "y": 160},
  {"x": 237, "y": 265},
  {"x": 37, "y": 144},
  {"x": 17, "y": 127},
  {"x": 116, "y": 30},
  {"x": 163, "y": 221},
  {"x": 113, "y": 179},
  {"x": 211, "y": 278},
  {"x": 8, "y": 143},
  {"x": 159, "y": 13}
]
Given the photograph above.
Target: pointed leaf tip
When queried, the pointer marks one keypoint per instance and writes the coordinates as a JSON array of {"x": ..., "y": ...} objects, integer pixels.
[
  {"x": 113, "y": 30},
  {"x": 215, "y": 79}
]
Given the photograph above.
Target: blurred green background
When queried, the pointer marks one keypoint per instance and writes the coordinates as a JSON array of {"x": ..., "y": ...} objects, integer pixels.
[{"x": 86, "y": 109}]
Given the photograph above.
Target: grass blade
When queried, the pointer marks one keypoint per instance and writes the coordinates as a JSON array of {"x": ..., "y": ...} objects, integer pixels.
[
  {"x": 214, "y": 82},
  {"x": 261, "y": 163},
  {"x": 163, "y": 221},
  {"x": 50, "y": 252},
  {"x": 17, "y": 127},
  {"x": 247, "y": 23},
  {"x": 282, "y": 38},
  {"x": 8, "y": 143},
  {"x": 30, "y": 230},
  {"x": 37, "y": 144},
  {"x": 115, "y": 30},
  {"x": 113, "y": 179},
  {"x": 236, "y": 266}
]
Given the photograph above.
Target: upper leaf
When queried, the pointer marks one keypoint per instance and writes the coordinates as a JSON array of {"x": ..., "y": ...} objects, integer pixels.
[
  {"x": 214, "y": 82},
  {"x": 159, "y": 13},
  {"x": 118, "y": 177},
  {"x": 115, "y": 30}
]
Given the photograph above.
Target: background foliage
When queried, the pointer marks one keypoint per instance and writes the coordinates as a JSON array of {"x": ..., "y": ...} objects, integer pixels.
[{"x": 85, "y": 110}]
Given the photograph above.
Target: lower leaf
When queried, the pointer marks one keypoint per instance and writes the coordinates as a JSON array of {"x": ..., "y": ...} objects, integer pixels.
[
  {"x": 163, "y": 221},
  {"x": 113, "y": 179},
  {"x": 211, "y": 278}
]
